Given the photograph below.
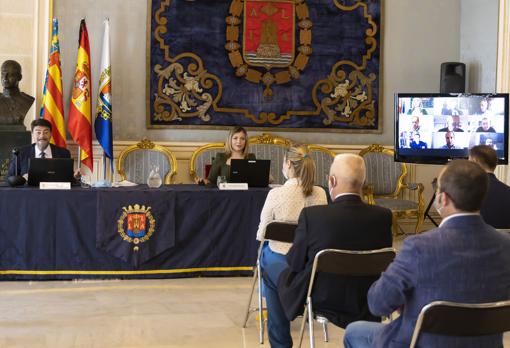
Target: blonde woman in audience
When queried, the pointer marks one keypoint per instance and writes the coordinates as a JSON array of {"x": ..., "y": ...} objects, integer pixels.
[{"x": 285, "y": 203}]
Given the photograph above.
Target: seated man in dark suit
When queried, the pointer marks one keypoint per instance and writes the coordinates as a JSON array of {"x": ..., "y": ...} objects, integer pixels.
[
  {"x": 347, "y": 223},
  {"x": 463, "y": 260},
  {"x": 494, "y": 208},
  {"x": 41, "y": 133}
]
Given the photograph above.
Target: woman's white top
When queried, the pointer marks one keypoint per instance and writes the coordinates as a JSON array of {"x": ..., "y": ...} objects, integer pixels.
[{"x": 284, "y": 204}]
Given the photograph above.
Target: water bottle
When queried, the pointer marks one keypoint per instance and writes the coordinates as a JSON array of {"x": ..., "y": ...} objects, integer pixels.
[{"x": 154, "y": 179}]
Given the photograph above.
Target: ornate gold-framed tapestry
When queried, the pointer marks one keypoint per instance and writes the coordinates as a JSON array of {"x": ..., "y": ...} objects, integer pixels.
[{"x": 280, "y": 64}]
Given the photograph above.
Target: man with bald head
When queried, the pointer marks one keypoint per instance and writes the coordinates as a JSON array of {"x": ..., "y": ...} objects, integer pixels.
[
  {"x": 14, "y": 104},
  {"x": 347, "y": 223}
]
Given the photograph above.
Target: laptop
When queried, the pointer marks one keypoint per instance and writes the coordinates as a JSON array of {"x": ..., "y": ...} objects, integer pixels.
[
  {"x": 253, "y": 172},
  {"x": 50, "y": 170}
]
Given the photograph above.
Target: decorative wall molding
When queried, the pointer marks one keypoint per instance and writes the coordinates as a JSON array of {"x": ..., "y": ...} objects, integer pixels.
[{"x": 503, "y": 66}]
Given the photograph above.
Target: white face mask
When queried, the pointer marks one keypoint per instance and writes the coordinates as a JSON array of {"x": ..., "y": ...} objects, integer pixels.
[
  {"x": 285, "y": 171},
  {"x": 330, "y": 188},
  {"x": 437, "y": 203}
]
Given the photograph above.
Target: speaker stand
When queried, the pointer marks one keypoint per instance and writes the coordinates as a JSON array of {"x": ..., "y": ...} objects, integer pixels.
[{"x": 432, "y": 199}]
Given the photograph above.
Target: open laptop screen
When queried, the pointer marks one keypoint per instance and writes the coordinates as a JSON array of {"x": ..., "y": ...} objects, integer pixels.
[
  {"x": 50, "y": 170},
  {"x": 253, "y": 172}
]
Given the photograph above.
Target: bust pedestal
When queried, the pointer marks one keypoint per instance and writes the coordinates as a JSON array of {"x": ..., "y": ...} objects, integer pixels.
[{"x": 11, "y": 136}]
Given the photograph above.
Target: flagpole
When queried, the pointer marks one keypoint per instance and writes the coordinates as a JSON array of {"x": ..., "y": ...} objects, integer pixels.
[
  {"x": 103, "y": 120},
  {"x": 79, "y": 158},
  {"x": 104, "y": 166},
  {"x": 79, "y": 119}
]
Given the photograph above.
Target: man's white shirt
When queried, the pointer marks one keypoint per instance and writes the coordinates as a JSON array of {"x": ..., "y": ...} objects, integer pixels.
[{"x": 47, "y": 152}]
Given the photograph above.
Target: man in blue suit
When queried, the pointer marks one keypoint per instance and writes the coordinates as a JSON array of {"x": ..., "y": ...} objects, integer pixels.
[
  {"x": 41, "y": 133},
  {"x": 494, "y": 208},
  {"x": 463, "y": 260}
]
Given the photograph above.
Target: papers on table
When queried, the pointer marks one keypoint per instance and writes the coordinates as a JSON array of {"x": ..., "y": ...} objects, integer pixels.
[{"x": 124, "y": 183}]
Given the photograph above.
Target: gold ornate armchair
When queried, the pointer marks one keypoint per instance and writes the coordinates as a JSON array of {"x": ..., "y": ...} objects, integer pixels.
[
  {"x": 323, "y": 158},
  {"x": 203, "y": 156},
  {"x": 136, "y": 161},
  {"x": 271, "y": 147},
  {"x": 387, "y": 181}
]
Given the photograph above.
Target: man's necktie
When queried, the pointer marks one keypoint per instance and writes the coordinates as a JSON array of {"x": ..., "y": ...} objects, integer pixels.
[{"x": 43, "y": 155}]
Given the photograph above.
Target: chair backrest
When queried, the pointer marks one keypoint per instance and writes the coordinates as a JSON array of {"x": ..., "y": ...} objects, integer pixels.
[
  {"x": 136, "y": 161},
  {"x": 271, "y": 147},
  {"x": 357, "y": 263},
  {"x": 280, "y": 231},
  {"x": 383, "y": 173},
  {"x": 202, "y": 157},
  {"x": 323, "y": 158},
  {"x": 462, "y": 319}
]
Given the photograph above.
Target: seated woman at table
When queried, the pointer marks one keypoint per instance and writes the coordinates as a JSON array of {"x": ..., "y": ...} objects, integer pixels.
[
  {"x": 236, "y": 147},
  {"x": 285, "y": 203}
]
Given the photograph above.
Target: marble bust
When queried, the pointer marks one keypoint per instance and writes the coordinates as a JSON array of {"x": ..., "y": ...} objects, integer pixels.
[{"x": 14, "y": 104}]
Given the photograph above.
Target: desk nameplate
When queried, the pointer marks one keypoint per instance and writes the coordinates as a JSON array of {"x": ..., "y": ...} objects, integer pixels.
[{"x": 55, "y": 185}]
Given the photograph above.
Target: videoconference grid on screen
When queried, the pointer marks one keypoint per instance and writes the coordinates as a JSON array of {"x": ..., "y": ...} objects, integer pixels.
[{"x": 434, "y": 128}]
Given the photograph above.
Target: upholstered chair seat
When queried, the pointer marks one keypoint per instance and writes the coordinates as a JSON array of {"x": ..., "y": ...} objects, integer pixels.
[
  {"x": 396, "y": 204},
  {"x": 387, "y": 179}
]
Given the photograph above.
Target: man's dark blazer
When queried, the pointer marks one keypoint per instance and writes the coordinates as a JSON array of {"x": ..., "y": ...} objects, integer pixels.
[
  {"x": 347, "y": 223},
  {"x": 464, "y": 260},
  {"x": 496, "y": 204},
  {"x": 28, "y": 152}
]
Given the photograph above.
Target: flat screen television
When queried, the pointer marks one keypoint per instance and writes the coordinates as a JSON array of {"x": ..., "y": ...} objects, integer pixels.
[{"x": 433, "y": 128}]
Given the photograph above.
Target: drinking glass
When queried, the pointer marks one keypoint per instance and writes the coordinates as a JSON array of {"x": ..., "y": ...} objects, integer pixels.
[{"x": 222, "y": 179}]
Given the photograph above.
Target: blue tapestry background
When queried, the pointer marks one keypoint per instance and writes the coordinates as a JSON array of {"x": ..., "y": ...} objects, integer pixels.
[{"x": 320, "y": 98}]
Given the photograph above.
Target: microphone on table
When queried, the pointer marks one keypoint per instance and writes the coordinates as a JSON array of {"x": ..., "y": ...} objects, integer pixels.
[{"x": 15, "y": 180}]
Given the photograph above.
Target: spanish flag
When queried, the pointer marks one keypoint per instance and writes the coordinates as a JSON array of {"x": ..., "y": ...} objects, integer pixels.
[
  {"x": 80, "y": 123},
  {"x": 52, "y": 108}
]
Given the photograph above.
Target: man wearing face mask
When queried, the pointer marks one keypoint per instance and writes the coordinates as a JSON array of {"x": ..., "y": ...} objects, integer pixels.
[
  {"x": 41, "y": 134},
  {"x": 463, "y": 260},
  {"x": 347, "y": 223}
]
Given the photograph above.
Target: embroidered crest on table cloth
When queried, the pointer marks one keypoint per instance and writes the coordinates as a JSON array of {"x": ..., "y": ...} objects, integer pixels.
[{"x": 136, "y": 225}]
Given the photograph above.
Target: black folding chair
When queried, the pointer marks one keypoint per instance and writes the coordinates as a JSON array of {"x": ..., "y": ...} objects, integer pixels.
[
  {"x": 277, "y": 231},
  {"x": 343, "y": 263},
  {"x": 462, "y": 319}
]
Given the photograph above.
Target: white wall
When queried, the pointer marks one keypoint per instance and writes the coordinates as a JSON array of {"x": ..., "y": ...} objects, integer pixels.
[
  {"x": 478, "y": 44},
  {"x": 17, "y": 21},
  {"x": 417, "y": 36}
]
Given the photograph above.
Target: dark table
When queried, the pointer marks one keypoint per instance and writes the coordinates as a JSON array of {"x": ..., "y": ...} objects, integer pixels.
[{"x": 53, "y": 234}]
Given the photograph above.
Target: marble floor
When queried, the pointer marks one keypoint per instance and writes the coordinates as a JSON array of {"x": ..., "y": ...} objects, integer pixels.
[{"x": 197, "y": 312}]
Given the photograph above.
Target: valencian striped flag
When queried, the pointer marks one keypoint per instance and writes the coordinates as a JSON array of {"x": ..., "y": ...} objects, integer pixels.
[
  {"x": 80, "y": 122},
  {"x": 52, "y": 108},
  {"x": 103, "y": 122}
]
